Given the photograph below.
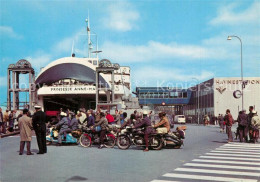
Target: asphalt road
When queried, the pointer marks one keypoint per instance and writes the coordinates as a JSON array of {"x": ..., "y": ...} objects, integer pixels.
[{"x": 75, "y": 163}]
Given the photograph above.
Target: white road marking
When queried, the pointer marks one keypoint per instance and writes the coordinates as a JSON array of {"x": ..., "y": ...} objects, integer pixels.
[
  {"x": 230, "y": 158},
  {"x": 238, "y": 147},
  {"x": 157, "y": 180},
  {"x": 211, "y": 178},
  {"x": 235, "y": 155},
  {"x": 234, "y": 152},
  {"x": 218, "y": 172},
  {"x": 222, "y": 166},
  {"x": 243, "y": 150},
  {"x": 227, "y": 162}
]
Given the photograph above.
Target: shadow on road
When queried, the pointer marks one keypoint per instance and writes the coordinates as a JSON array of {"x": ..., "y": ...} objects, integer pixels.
[
  {"x": 76, "y": 178},
  {"x": 220, "y": 141}
]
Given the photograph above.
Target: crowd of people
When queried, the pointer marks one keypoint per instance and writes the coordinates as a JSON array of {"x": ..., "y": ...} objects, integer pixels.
[{"x": 248, "y": 125}]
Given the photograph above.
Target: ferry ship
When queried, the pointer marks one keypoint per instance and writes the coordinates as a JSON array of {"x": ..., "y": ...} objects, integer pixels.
[{"x": 70, "y": 82}]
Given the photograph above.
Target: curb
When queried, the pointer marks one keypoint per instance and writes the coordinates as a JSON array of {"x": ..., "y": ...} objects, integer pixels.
[{"x": 10, "y": 134}]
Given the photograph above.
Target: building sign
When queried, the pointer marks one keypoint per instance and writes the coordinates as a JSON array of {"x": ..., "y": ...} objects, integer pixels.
[
  {"x": 72, "y": 89},
  {"x": 221, "y": 89},
  {"x": 84, "y": 89},
  {"x": 235, "y": 81}
]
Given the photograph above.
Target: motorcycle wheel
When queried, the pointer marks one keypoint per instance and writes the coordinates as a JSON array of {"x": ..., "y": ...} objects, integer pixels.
[
  {"x": 109, "y": 142},
  {"x": 48, "y": 142},
  {"x": 85, "y": 141},
  {"x": 159, "y": 145},
  {"x": 123, "y": 142}
]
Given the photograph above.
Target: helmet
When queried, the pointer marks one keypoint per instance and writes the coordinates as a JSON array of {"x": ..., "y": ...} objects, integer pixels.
[
  {"x": 145, "y": 112},
  {"x": 63, "y": 114}
]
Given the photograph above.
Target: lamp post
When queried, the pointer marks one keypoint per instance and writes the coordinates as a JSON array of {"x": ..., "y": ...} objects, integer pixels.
[
  {"x": 230, "y": 38},
  {"x": 198, "y": 99}
]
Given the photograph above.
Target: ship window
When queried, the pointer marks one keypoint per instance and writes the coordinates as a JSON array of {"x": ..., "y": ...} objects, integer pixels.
[
  {"x": 94, "y": 62},
  {"x": 185, "y": 95},
  {"x": 90, "y": 61},
  {"x": 166, "y": 95},
  {"x": 179, "y": 94}
]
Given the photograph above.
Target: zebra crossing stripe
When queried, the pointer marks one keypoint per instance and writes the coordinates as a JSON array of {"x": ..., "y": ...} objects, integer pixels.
[
  {"x": 231, "y": 158},
  {"x": 240, "y": 147},
  {"x": 210, "y": 178},
  {"x": 222, "y": 166},
  {"x": 242, "y": 144},
  {"x": 158, "y": 180},
  {"x": 235, "y": 155},
  {"x": 218, "y": 172},
  {"x": 227, "y": 162},
  {"x": 235, "y": 152},
  {"x": 243, "y": 150}
]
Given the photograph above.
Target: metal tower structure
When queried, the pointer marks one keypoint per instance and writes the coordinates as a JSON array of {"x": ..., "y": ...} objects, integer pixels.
[
  {"x": 13, "y": 84},
  {"x": 105, "y": 66}
]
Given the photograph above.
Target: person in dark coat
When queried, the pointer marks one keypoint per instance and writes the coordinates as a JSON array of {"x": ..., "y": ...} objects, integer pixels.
[
  {"x": 242, "y": 126},
  {"x": 249, "y": 118},
  {"x": 145, "y": 122},
  {"x": 39, "y": 126},
  {"x": 229, "y": 122},
  {"x": 63, "y": 125},
  {"x": 72, "y": 124},
  {"x": 91, "y": 119},
  {"x": 103, "y": 123}
]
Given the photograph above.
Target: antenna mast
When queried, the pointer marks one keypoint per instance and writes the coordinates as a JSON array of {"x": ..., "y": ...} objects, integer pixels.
[{"x": 89, "y": 41}]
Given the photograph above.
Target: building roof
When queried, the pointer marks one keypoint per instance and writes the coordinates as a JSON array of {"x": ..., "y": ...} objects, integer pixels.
[{"x": 69, "y": 68}]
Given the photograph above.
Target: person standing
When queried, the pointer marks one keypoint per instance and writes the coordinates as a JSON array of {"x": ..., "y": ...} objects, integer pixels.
[
  {"x": 249, "y": 119},
  {"x": 25, "y": 126},
  {"x": 11, "y": 121},
  {"x": 6, "y": 120},
  {"x": 39, "y": 125},
  {"x": 1, "y": 121},
  {"x": 242, "y": 126},
  {"x": 221, "y": 122},
  {"x": 117, "y": 118},
  {"x": 255, "y": 125},
  {"x": 229, "y": 122}
]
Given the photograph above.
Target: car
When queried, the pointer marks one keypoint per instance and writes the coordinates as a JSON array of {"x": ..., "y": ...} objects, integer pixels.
[{"x": 179, "y": 119}]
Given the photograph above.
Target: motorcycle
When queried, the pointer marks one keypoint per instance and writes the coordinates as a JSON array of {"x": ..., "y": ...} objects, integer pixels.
[
  {"x": 92, "y": 136},
  {"x": 71, "y": 138},
  {"x": 133, "y": 136},
  {"x": 173, "y": 139}
]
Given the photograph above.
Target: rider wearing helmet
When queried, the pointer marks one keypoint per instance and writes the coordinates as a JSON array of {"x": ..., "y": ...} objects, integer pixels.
[
  {"x": 145, "y": 122},
  {"x": 63, "y": 124}
]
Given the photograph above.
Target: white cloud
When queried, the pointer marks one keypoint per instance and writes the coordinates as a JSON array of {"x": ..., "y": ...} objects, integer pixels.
[
  {"x": 8, "y": 31},
  {"x": 151, "y": 76},
  {"x": 158, "y": 51},
  {"x": 121, "y": 17},
  {"x": 39, "y": 59},
  {"x": 228, "y": 16}
]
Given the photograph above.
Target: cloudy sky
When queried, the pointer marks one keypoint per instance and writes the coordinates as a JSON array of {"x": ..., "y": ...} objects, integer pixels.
[{"x": 164, "y": 42}]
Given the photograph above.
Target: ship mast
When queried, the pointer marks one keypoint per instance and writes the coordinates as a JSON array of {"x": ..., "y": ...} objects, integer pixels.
[{"x": 90, "y": 47}]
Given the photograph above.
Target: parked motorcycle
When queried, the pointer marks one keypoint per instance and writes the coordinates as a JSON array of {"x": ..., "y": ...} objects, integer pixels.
[
  {"x": 173, "y": 139},
  {"x": 52, "y": 136},
  {"x": 92, "y": 136},
  {"x": 133, "y": 136}
]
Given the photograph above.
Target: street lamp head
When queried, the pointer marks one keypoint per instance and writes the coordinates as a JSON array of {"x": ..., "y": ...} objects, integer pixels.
[{"x": 229, "y": 38}]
